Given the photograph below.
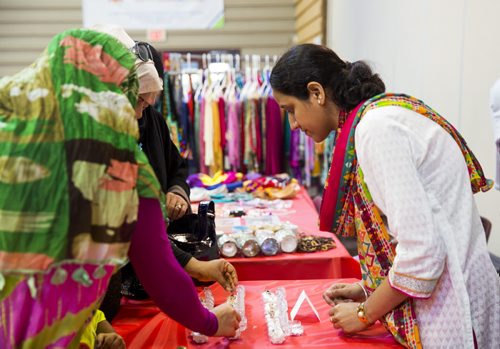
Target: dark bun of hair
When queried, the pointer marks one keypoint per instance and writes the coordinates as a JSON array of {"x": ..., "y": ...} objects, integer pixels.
[{"x": 358, "y": 83}]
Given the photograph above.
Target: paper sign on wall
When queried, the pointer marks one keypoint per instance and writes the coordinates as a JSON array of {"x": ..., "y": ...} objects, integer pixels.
[
  {"x": 156, "y": 35},
  {"x": 154, "y": 14}
]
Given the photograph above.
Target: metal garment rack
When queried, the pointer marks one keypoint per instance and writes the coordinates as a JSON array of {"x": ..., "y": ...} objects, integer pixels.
[{"x": 235, "y": 61}]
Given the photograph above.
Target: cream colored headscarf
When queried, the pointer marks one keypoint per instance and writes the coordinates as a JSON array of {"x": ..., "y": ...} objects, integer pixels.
[{"x": 149, "y": 81}]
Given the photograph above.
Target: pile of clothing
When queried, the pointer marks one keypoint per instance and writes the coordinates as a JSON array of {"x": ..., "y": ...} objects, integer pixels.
[{"x": 234, "y": 186}]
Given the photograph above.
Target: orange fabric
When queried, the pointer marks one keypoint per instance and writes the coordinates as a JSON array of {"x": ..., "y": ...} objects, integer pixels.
[
  {"x": 94, "y": 60},
  {"x": 143, "y": 326},
  {"x": 15, "y": 260}
]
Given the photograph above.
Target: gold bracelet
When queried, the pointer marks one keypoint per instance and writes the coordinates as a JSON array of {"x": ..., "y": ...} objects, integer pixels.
[{"x": 360, "y": 311}]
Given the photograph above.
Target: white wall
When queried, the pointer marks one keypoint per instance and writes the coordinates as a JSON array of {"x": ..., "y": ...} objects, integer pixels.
[{"x": 445, "y": 52}]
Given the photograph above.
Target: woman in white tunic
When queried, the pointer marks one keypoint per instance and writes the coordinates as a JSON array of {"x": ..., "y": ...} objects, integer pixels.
[{"x": 402, "y": 179}]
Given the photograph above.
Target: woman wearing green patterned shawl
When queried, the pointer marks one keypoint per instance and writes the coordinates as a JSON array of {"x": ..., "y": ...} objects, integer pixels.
[
  {"x": 76, "y": 192},
  {"x": 427, "y": 275}
]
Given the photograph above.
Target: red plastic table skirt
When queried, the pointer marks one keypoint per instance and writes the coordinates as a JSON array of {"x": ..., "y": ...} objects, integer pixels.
[
  {"x": 142, "y": 325},
  {"x": 334, "y": 263},
  {"x": 297, "y": 266}
]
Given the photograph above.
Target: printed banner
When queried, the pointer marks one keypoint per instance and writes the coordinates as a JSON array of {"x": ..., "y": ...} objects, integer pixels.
[{"x": 155, "y": 14}]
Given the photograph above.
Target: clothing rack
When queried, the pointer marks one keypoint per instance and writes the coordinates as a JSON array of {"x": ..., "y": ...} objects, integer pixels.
[
  {"x": 231, "y": 98},
  {"x": 235, "y": 61}
]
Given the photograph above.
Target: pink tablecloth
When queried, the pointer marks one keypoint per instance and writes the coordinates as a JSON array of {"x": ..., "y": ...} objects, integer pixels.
[
  {"x": 334, "y": 263},
  {"x": 142, "y": 325}
]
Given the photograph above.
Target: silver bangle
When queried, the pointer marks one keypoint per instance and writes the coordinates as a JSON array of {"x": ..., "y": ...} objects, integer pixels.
[{"x": 364, "y": 289}]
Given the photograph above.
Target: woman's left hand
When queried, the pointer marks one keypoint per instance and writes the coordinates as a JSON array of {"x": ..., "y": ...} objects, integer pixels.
[
  {"x": 176, "y": 206},
  {"x": 344, "y": 316}
]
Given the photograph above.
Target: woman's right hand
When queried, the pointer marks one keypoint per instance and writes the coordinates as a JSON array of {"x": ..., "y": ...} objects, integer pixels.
[
  {"x": 229, "y": 320},
  {"x": 339, "y": 293}
]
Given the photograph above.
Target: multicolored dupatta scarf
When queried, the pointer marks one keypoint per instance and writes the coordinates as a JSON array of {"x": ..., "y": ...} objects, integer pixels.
[
  {"x": 70, "y": 177},
  {"x": 355, "y": 214}
]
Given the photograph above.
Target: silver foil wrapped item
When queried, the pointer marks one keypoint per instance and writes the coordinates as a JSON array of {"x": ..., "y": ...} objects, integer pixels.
[
  {"x": 287, "y": 240},
  {"x": 227, "y": 245}
]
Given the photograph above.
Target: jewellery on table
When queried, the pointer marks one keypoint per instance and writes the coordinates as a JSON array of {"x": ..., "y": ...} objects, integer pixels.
[
  {"x": 248, "y": 244},
  {"x": 267, "y": 241},
  {"x": 290, "y": 226},
  {"x": 279, "y": 325},
  {"x": 227, "y": 245},
  {"x": 287, "y": 240},
  {"x": 311, "y": 243},
  {"x": 237, "y": 301},
  {"x": 271, "y": 313}
]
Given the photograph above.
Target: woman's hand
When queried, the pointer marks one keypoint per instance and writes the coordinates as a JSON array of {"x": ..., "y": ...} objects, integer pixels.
[
  {"x": 344, "y": 316},
  {"x": 341, "y": 293},
  {"x": 176, "y": 206},
  {"x": 110, "y": 340},
  {"x": 228, "y": 319},
  {"x": 218, "y": 270}
]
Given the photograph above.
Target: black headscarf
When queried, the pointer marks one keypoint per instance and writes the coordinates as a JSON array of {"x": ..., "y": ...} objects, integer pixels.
[{"x": 170, "y": 168}]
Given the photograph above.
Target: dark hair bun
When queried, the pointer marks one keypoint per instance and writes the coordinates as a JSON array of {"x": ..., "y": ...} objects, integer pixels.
[{"x": 359, "y": 83}]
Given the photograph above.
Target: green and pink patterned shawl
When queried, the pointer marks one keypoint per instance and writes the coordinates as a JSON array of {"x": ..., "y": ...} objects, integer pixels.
[
  {"x": 348, "y": 209},
  {"x": 70, "y": 177}
]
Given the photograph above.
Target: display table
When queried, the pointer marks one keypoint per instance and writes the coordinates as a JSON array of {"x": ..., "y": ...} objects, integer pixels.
[
  {"x": 142, "y": 325},
  {"x": 334, "y": 263}
]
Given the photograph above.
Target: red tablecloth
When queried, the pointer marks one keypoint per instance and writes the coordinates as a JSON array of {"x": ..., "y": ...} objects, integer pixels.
[
  {"x": 334, "y": 263},
  {"x": 142, "y": 325}
]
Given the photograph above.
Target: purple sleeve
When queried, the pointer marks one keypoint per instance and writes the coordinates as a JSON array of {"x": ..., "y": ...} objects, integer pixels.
[{"x": 162, "y": 277}]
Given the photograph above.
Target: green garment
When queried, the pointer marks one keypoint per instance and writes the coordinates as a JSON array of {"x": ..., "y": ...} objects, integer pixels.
[{"x": 70, "y": 168}]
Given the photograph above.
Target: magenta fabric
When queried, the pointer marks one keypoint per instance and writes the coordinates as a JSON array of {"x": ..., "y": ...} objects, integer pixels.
[
  {"x": 201, "y": 137},
  {"x": 234, "y": 139},
  {"x": 222, "y": 121},
  {"x": 274, "y": 138},
  {"x": 51, "y": 304},
  {"x": 162, "y": 277}
]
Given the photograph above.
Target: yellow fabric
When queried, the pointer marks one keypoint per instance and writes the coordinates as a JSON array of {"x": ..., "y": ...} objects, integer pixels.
[
  {"x": 218, "y": 161},
  {"x": 90, "y": 332}
]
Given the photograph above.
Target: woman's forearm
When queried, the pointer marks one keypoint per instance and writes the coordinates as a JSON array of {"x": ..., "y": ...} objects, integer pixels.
[
  {"x": 162, "y": 277},
  {"x": 383, "y": 300}
]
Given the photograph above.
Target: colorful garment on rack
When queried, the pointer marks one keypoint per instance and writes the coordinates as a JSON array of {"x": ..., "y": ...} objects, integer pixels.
[
  {"x": 217, "y": 164},
  {"x": 348, "y": 209},
  {"x": 274, "y": 138},
  {"x": 202, "y": 180},
  {"x": 244, "y": 130},
  {"x": 70, "y": 176},
  {"x": 233, "y": 135}
]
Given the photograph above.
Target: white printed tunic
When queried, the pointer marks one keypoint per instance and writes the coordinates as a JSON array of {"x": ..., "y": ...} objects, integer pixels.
[{"x": 418, "y": 178}]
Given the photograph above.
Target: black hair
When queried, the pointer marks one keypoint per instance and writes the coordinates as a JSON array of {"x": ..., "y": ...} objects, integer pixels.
[
  {"x": 347, "y": 84},
  {"x": 157, "y": 61}
]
